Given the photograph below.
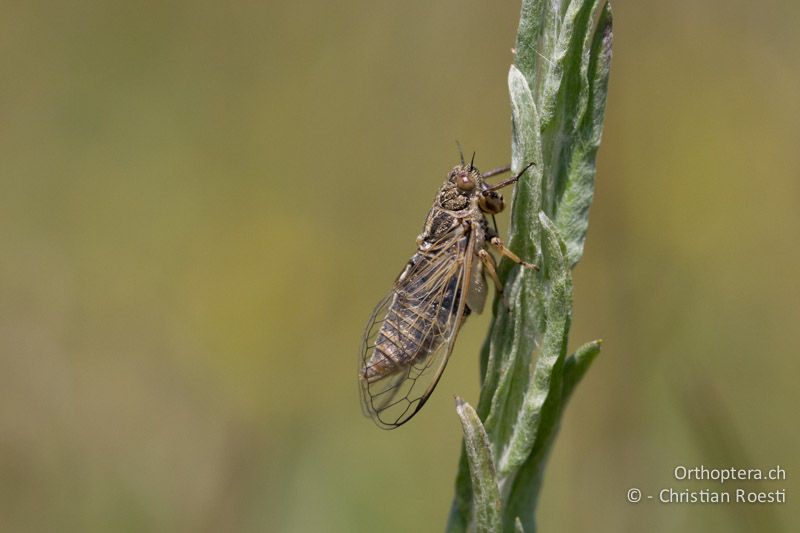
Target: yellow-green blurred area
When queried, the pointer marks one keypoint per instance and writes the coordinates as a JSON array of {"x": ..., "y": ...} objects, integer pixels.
[{"x": 201, "y": 202}]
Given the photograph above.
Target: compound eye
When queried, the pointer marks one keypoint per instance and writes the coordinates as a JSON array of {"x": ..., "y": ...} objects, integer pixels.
[
  {"x": 464, "y": 182},
  {"x": 491, "y": 202}
]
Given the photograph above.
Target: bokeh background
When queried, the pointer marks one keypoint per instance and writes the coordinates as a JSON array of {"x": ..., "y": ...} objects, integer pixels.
[{"x": 200, "y": 202}]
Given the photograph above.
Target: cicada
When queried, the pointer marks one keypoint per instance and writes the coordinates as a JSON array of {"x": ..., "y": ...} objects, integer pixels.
[{"x": 410, "y": 335}]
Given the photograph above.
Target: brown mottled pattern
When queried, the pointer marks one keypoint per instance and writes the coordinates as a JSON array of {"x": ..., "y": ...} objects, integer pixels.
[
  {"x": 411, "y": 333},
  {"x": 450, "y": 198}
]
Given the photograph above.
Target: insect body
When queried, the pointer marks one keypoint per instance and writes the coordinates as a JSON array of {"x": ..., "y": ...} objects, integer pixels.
[{"x": 411, "y": 332}]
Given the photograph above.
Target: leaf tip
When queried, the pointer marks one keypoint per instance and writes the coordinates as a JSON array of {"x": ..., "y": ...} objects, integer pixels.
[{"x": 543, "y": 217}]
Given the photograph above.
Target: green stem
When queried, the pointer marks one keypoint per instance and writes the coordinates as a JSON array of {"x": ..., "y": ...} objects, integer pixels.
[{"x": 558, "y": 87}]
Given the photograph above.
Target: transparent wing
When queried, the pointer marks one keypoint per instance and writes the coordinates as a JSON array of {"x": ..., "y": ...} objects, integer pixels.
[{"x": 411, "y": 332}]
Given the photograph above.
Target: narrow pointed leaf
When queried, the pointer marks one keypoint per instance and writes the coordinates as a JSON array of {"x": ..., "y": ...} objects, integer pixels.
[
  {"x": 572, "y": 217},
  {"x": 481, "y": 467},
  {"x": 576, "y": 366}
]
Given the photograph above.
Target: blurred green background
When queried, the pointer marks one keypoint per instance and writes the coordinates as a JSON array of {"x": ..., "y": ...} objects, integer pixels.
[{"x": 201, "y": 202}]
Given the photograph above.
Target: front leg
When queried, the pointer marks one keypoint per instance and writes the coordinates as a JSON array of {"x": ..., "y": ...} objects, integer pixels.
[{"x": 497, "y": 243}]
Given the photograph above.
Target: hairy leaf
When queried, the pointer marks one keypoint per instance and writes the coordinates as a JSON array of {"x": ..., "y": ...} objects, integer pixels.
[{"x": 558, "y": 87}]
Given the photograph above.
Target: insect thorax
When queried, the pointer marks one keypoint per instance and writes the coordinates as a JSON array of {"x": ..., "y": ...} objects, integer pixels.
[{"x": 451, "y": 198}]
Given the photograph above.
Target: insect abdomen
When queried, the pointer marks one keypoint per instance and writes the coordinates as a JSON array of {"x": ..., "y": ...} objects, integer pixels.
[{"x": 415, "y": 320}]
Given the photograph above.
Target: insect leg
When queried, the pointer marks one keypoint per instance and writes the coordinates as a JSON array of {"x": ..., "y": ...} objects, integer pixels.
[
  {"x": 508, "y": 181},
  {"x": 496, "y": 171},
  {"x": 497, "y": 243},
  {"x": 491, "y": 268}
]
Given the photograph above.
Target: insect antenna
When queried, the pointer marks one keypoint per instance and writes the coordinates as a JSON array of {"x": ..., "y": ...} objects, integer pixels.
[
  {"x": 471, "y": 161},
  {"x": 460, "y": 152}
]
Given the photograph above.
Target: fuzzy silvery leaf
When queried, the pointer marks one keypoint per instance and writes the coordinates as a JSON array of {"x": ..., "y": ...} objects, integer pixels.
[{"x": 558, "y": 86}]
